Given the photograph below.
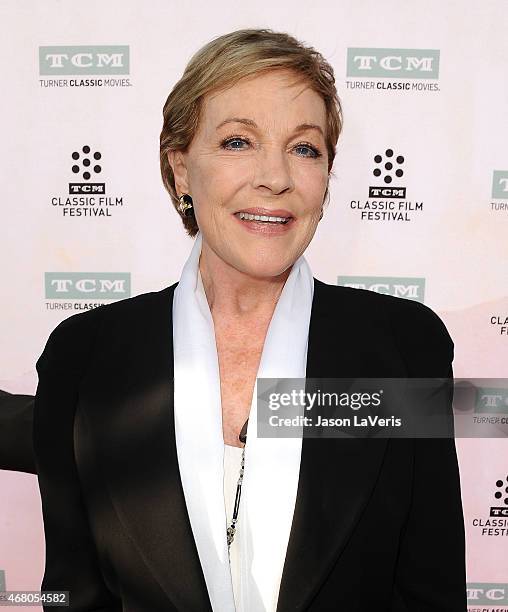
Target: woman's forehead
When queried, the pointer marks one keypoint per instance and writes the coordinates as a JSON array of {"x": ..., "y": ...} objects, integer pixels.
[
  {"x": 262, "y": 100},
  {"x": 272, "y": 85}
]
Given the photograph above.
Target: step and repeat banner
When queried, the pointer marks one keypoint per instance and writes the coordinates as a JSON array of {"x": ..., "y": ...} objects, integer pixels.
[{"x": 418, "y": 197}]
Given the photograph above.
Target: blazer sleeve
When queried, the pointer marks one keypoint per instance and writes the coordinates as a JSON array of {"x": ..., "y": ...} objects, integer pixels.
[
  {"x": 16, "y": 448},
  {"x": 71, "y": 558},
  {"x": 430, "y": 574}
]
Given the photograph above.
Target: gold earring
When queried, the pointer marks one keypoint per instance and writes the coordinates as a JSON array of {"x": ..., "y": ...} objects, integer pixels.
[{"x": 186, "y": 207}]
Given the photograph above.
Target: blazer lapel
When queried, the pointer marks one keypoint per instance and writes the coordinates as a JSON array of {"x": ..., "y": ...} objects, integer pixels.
[
  {"x": 337, "y": 476},
  {"x": 136, "y": 442}
]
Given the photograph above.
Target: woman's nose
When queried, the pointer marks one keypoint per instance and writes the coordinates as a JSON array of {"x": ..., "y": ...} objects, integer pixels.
[{"x": 273, "y": 170}]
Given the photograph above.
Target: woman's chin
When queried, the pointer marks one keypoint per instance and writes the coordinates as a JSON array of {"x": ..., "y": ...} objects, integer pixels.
[{"x": 265, "y": 268}]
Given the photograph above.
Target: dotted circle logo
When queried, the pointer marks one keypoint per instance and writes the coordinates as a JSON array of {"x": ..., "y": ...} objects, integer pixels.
[
  {"x": 86, "y": 159},
  {"x": 503, "y": 493},
  {"x": 387, "y": 165}
]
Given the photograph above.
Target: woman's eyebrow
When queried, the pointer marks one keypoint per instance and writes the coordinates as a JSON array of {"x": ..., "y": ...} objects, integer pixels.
[
  {"x": 302, "y": 127},
  {"x": 243, "y": 120}
]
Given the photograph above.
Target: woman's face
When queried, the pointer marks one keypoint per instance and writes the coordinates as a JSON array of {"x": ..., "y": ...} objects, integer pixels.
[{"x": 256, "y": 151}]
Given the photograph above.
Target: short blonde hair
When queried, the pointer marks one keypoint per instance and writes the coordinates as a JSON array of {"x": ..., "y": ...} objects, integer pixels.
[{"x": 220, "y": 64}]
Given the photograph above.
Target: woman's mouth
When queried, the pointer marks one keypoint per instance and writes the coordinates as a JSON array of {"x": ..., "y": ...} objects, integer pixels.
[
  {"x": 265, "y": 224},
  {"x": 262, "y": 218}
]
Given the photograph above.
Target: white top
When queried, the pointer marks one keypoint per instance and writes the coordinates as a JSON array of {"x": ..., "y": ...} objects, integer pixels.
[
  {"x": 232, "y": 464},
  {"x": 272, "y": 465}
]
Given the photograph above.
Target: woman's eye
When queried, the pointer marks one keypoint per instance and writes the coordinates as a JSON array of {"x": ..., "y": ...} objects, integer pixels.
[
  {"x": 229, "y": 142},
  {"x": 314, "y": 152},
  {"x": 236, "y": 144}
]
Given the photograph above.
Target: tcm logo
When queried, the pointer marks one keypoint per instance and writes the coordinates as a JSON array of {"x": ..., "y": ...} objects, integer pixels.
[
  {"x": 86, "y": 285},
  {"x": 409, "y": 288},
  {"x": 86, "y": 164},
  {"x": 501, "y": 497},
  {"x": 487, "y": 593},
  {"x": 500, "y": 184},
  {"x": 388, "y": 166},
  {"x": 89, "y": 59},
  {"x": 393, "y": 63},
  {"x": 491, "y": 401}
]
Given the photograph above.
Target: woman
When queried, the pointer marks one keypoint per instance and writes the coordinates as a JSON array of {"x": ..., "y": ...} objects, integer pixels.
[{"x": 140, "y": 402}]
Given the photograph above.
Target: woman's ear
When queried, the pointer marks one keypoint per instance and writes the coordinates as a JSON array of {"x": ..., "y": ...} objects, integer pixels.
[{"x": 178, "y": 164}]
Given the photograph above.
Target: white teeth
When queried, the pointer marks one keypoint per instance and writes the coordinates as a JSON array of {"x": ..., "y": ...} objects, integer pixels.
[{"x": 265, "y": 218}]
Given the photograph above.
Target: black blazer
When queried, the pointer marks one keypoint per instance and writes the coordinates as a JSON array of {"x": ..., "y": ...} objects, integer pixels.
[
  {"x": 16, "y": 448},
  {"x": 378, "y": 523}
]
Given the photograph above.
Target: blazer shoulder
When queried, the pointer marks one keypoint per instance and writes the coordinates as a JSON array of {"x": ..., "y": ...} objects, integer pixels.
[
  {"x": 72, "y": 340},
  {"x": 380, "y": 303},
  {"x": 414, "y": 325}
]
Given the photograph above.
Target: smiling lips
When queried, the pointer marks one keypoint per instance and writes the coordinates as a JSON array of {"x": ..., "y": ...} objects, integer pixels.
[
  {"x": 262, "y": 218},
  {"x": 265, "y": 216},
  {"x": 265, "y": 222}
]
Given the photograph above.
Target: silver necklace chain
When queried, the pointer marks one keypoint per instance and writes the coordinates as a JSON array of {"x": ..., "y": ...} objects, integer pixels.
[{"x": 231, "y": 530}]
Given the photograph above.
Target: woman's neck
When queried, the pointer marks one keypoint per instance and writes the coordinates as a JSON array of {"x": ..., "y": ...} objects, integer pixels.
[{"x": 233, "y": 293}]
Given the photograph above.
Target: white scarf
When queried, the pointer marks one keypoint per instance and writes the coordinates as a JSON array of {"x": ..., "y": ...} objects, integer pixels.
[{"x": 272, "y": 465}]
